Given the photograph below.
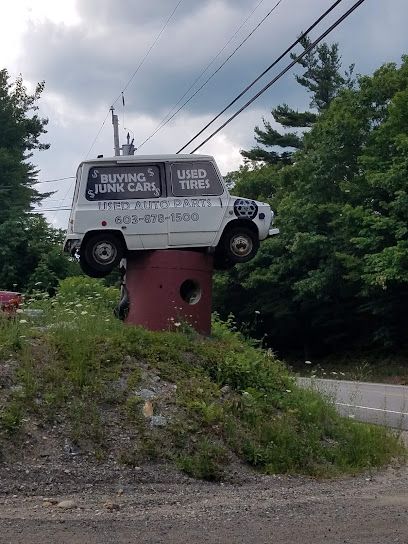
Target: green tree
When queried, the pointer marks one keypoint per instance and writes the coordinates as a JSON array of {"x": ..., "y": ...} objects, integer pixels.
[
  {"x": 323, "y": 79},
  {"x": 19, "y": 137},
  {"x": 336, "y": 276},
  {"x": 31, "y": 256},
  {"x": 30, "y": 250}
]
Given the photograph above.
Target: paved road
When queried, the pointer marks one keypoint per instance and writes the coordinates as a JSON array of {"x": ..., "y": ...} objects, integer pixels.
[{"x": 372, "y": 402}]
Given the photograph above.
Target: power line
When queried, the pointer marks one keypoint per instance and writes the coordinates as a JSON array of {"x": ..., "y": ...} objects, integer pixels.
[
  {"x": 202, "y": 72},
  {"x": 275, "y": 62},
  {"x": 38, "y": 210},
  {"x": 135, "y": 72},
  {"x": 283, "y": 72},
  {"x": 148, "y": 52},
  {"x": 53, "y": 180},
  {"x": 97, "y": 135}
]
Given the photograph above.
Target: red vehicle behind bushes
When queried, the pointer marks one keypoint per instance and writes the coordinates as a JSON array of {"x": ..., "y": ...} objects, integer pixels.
[{"x": 9, "y": 302}]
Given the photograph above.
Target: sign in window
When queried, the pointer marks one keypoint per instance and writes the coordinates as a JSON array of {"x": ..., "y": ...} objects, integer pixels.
[
  {"x": 123, "y": 182},
  {"x": 195, "y": 179}
]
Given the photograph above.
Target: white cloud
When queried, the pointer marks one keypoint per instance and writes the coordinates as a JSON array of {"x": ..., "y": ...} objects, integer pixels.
[
  {"x": 86, "y": 50},
  {"x": 20, "y": 17}
]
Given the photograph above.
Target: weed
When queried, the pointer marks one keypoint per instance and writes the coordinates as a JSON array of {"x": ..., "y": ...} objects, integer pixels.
[
  {"x": 11, "y": 418},
  {"x": 207, "y": 461},
  {"x": 80, "y": 365}
]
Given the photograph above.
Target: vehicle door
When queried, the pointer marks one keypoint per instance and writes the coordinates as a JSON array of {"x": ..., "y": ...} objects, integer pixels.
[
  {"x": 198, "y": 201},
  {"x": 129, "y": 198}
]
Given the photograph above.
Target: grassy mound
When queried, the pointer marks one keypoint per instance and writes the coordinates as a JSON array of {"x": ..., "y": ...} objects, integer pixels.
[{"x": 121, "y": 392}]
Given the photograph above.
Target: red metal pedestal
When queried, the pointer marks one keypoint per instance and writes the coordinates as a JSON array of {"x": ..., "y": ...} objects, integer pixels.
[{"x": 168, "y": 287}]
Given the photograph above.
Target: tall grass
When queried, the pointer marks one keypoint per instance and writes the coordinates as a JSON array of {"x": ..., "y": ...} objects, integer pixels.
[{"x": 76, "y": 362}]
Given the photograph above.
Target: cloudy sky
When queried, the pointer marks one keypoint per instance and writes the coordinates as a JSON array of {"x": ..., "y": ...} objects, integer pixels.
[{"x": 88, "y": 50}]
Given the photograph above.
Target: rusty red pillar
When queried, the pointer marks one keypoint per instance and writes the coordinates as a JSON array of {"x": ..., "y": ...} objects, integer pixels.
[{"x": 168, "y": 287}]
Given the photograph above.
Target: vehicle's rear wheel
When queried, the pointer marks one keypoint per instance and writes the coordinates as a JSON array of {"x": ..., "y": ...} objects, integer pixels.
[
  {"x": 101, "y": 253},
  {"x": 88, "y": 270},
  {"x": 239, "y": 244}
]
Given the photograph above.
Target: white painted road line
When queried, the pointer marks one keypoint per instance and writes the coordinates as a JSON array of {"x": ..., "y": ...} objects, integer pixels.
[
  {"x": 375, "y": 401},
  {"x": 368, "y": 408}
]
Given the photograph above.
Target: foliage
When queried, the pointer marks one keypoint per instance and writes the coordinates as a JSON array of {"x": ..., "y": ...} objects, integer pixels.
[
  {"x": 78, "y": 366},
  {"x": 30, "y": 249},
  {"x": 323, "y": 79},
  {"x": 336, "y": 276},
  {"x": 20, "y": 134},
  {"x": 30, "y": 255}
]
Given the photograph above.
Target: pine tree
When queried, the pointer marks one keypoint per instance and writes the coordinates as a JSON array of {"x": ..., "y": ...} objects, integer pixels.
[
  {"x": 30, "y": 252},
  {"x": 21, "y": 129},
  {"x": 323, "y": 80}
]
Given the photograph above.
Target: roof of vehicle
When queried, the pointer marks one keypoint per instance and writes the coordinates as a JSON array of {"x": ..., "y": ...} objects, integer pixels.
[{"x": 150, "y": 158}]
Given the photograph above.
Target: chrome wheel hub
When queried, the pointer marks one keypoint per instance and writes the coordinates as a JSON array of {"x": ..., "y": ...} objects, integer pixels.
[
  {"x": 104, "y": 253},
  {"x": 241, "y": 246}
]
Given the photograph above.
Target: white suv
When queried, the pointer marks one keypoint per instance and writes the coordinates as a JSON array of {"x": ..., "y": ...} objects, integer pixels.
[{"x": 133, "y": 203}]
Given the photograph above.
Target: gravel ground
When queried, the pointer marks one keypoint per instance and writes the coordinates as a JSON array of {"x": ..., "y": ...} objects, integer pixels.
[{"x": 154, "y": 504}]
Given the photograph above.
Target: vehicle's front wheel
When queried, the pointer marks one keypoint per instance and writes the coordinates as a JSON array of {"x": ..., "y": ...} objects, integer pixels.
[
  {"x": 101, "y": 253},
  {"x": 221, "y": 262},
  {"x": 239, "y": 245}
]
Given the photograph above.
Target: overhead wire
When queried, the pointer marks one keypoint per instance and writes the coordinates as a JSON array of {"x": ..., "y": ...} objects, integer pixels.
[
  {"x": 40, "y": 210},
  {"x": 267, "y": 86},
  {"x": 53, "y": 180},
  {"x": 143, "y": 60},
  {"x": 166, "y": 119},
  {"x": 283, "y": 72},
  {"x": 191, "y": 86},
  {"x": 200, "y": 75},
  {"x": 274, "y": 63},
  {"x": 97, "y": 134},
  {"x": 148, "y": 52}
]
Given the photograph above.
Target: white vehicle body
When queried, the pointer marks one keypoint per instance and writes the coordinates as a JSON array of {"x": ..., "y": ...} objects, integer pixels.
[{"x": 159, "y": 202}]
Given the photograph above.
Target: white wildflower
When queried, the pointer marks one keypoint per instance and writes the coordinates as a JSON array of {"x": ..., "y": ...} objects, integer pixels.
[{"x": 23, "y": 321}]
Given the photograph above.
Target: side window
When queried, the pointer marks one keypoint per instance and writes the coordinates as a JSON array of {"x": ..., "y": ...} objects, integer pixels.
[
  {"x": 195, "y": 179},
  {"x": 123, "y": 182}
]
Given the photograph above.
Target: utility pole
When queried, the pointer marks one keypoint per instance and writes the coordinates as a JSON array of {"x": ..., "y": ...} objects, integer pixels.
[{"x": 115, "y": 124}]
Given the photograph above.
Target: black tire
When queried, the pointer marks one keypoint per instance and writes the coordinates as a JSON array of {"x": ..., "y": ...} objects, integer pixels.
[
  {"x": 239, "y": 245},
  {"x": 221, "y": 262},
  {"x": 102, "y": 252},
  {"x": 86, "y": 269}
]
